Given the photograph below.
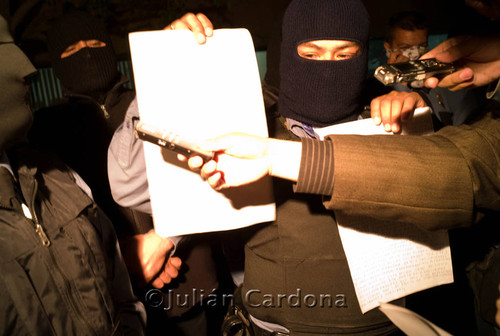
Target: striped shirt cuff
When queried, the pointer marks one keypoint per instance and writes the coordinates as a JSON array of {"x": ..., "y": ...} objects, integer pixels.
[{"x": 316, "y": 168}]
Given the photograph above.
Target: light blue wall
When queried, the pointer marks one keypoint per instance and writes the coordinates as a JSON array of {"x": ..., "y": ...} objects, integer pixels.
[{"x": 262, "y": 63}]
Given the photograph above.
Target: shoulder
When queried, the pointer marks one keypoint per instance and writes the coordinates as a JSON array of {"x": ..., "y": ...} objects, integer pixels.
[{"x": 31, "y": 161}]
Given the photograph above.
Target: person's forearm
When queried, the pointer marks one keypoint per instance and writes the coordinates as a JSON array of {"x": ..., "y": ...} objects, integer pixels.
[
  {"x": 419, "y": 180},
  {"x": 308, "y": 162},
  {"x": 284, "y": 158}
]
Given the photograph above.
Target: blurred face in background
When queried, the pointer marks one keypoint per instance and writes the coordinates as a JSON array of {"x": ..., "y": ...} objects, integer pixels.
[{"x": 406, "y": 45}]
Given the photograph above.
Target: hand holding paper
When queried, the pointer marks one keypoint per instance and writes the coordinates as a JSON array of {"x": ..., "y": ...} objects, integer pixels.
[
  {"x": 395, "y": 108},
  {"x": 147, "y": 258},
  {"x": 199, "y": 24}
]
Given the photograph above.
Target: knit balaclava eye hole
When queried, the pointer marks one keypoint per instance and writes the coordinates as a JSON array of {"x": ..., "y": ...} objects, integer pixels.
[
  {"x": 322, "y": 93},
  {"x": 90, "y": 69}
]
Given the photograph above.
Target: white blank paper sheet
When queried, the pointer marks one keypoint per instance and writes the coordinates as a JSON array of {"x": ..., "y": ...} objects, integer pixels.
[{"x": 199, "y": 92}]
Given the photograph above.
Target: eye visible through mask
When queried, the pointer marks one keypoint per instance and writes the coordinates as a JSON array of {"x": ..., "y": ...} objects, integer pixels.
[{"x": 328, "y": 50}]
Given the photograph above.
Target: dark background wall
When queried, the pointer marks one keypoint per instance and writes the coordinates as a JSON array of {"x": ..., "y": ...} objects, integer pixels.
[{"x": 30, "y": 19}]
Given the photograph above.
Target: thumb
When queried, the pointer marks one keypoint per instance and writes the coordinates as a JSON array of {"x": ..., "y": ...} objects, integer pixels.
[
  {"x": 217, "y": 144},
  {"x": 176, "y": 262},
  {"x": 456, "y": 78},
  {"x": 165, "y": 246}
]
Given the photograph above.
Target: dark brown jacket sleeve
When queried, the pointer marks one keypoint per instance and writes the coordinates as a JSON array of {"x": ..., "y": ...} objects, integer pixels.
[{"x": 449, "y": 179}]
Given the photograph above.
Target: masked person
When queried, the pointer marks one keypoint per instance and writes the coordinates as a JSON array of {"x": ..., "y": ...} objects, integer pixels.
[
  {"x": 84, "y": 60},
  {"x": 80, "y": 127},
  {"x": 61, "y": 269},
  {"x": 323, "y": 64},
  {"x": 446, "y": 181},
  {"x": 79, "y": 130}
]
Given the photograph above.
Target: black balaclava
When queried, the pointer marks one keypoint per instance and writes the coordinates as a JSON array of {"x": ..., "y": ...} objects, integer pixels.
[
  {"x": 89, "y": 70},
  {"x": 15, "y": 113},
  {"x": 322, "y": 93}
]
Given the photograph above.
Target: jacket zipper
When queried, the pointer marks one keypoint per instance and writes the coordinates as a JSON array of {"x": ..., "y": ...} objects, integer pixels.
[
  {"x": 38, "y": 227},
  {"x": 46, "y": 242},
  {"x": 120, "y": 83},
  {"x": 105, "y": 111}
]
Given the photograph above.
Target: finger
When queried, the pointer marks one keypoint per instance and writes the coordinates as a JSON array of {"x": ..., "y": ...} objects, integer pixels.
[
  {"x": 407, "y": 110},
  {"x": 195, "y": 162},
  {"x": 490, "y": 10},
  {"x": 207, "y": 24},
  {"x": 216, "y": 181},
  {"x": 409, "y": 106},
  {"x": 436, "y": 50},
  {"x": 479, "y": 6},
  {"x": 178, "y": 25},
  {"x": 165, "y": 277},
  {"x": 170, "y": 271},
  {"x": 456, "y": 50},
  {"x": 462, "y": 77},
  {"x": 226, "y": 142},
  {"x": 208, "y": 169},
  {"x": 171, "y": 26},
  {"x": 176, "y": 262},
  {"x": 165, "y": 246},
  {"x": 221, "y": 143},
  {"x": 238, "y": 145},
  {"x": 375, "y": 111},
  {"x": 194, "y": 24},
  {"x": 431, "y": 82},
  {"x": 157, "y": 283},
  {"x": 396, "y": 106},
  {"x": 416, "y": 84},
  {"x": 385, "y": 114},
  {"x": 443, "y": 46}
]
